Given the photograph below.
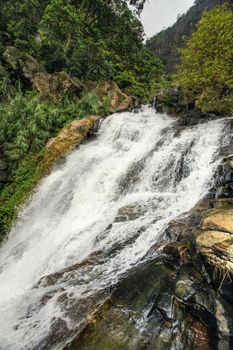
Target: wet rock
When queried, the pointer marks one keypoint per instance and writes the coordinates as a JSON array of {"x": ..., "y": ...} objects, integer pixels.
[
  {"x": 196, "y": 334},
  {"x": 67, "y": 140},
  {"x": 194, "y": 117},
  {"x": 130, "y": 212},
  {"x": 225, "y": 191},
  {"x": 170, "y": 101}
]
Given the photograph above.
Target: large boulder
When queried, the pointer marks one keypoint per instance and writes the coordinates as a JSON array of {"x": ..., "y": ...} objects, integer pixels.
[
  {"x": 119, "y": 101},
  {"x": 67, "y": 140}
]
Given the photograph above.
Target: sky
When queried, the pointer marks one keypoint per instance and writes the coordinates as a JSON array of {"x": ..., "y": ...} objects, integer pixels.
[{"x": 160, "y": 14}]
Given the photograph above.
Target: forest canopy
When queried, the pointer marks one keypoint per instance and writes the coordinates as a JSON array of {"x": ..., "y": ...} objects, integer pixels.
[{"x": 90, "y": 39}]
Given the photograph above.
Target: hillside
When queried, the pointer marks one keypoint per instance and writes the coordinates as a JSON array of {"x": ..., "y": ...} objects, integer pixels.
[
  {"x": 167, "y": 43},
  {"x": 62, "y": 61}
]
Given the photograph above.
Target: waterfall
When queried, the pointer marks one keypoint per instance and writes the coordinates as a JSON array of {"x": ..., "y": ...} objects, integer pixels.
[{"x": 95, "y": 217}]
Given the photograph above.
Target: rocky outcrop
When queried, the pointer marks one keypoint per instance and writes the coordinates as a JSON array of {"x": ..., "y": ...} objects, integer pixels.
[
  {"x": 67, "y": 140},
  {"x": 178, "y": 297},
  {"x": 119, "y": 101},
  {"x": 214, "y": 239},
  {"x": 55, "y": 86},
  {"x": 219, "y": 219},
  {"x": 172, "y": 101},
  {"x": 182, "y": 297},
  {"x": 50, "y": 86}
]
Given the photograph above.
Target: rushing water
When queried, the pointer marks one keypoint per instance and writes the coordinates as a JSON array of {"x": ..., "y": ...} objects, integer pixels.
[{"x": 109, "y": 203}]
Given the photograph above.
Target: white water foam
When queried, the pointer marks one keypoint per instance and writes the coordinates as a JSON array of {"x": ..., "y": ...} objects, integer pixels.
[{"x": 139, "y": 163}]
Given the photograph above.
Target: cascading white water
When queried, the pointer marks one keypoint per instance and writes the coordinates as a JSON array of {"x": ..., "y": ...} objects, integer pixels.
[{"x": 111, "y": 200}]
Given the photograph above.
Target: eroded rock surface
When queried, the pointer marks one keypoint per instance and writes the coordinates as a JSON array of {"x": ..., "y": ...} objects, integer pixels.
[{"x": 67, "y": 140}]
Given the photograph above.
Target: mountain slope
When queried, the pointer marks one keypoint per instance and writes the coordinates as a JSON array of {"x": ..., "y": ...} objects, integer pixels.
[{"x": 167, "y": 43}]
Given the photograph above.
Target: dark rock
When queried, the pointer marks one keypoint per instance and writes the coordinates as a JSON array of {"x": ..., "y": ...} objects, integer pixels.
[
  {"x": 170, "y": 101},
  {"x": 193, "y": 117}
]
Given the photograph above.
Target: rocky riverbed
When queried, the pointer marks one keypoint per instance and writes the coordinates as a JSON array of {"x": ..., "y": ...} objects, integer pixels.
[{"x": 181, "y": 296}]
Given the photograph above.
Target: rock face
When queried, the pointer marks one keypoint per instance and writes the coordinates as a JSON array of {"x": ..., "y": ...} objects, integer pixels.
[
  {"x": 50, "y": 86},
  {"x": 119, "y": 100},
  {"x": 67, "y": 140},
  {"x": 215, "y": 237},
  {"x": 55, "y": 86}
]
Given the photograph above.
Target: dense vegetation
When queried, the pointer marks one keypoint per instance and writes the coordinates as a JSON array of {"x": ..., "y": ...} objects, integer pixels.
[
  {"x": 92, "y": 40},
  {"x": 26, "y": 125},
  {"x": 206, "y": 69},
  {"x": 167, "y": 43}
]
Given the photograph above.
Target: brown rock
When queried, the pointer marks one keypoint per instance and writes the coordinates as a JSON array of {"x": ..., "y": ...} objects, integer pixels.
[
  {"x": 197, "y": 334},
  {"x": 119, "y": 101},
  {"x": 209, "y": 238},
  {"x": 219, "y": 219},
  {"x": 217, "y": 246},
  {"x": 67, "y": 140},
  {"x": 51, "y": 86},
  {"x": 56, "y": 86}
]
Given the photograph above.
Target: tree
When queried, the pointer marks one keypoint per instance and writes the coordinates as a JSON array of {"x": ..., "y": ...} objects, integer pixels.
[
  {"x": 60, "y": 34},
  {"x": 19, "y": 22},
  {"x": 206, "y": 70}
]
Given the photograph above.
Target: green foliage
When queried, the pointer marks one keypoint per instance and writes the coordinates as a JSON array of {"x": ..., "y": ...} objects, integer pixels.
[
  {"x": 26, "y": 124},
  {"x": 92, "y": 40},
  {"x": 211, "y": 103},
  {"x": 5, "y": 87},
  {"x": 206, "y": 70},
  {"x": 13, "y": 196},
  {"x": 140, "y": 79},
  {"x": 83, "y": 38},
  {"x": 167, "y": 44},
  {"x": 19, "y": 22},
  {"x": 60, "y": 33}
]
